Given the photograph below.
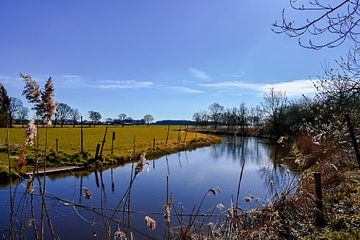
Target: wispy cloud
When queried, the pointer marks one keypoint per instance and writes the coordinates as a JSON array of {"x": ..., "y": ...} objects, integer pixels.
[
  {"x": 123, "y": 84},
  {"x": 292, "y": 88},
  {"x": 197, "y": 73},
  {"x": 233, "y": 75},
  {"x": 186, "y": 90},
  {"x": 71, "y": 76}
]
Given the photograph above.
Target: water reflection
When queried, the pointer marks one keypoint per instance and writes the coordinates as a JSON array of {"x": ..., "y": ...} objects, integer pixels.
[{"x": 117, "y": 193}]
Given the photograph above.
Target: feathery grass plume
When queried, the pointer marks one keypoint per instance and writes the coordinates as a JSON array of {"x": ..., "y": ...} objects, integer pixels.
[
  {"x": 22, "y": 159},
  {"x": 30, "y": 184},
  {"x": 31, "y": 132},
  {"x": 141, "y": 164},
  {"x": 88, "y": 193},
  {"x": 32, "y": 90},
  {"x": 43, "y": 100},
  {"x": 151, "y": 223},
  {"x": 49, "y": 104},
  {"x": 4, "y": 99},
  {"x": 120, "y": 235}
]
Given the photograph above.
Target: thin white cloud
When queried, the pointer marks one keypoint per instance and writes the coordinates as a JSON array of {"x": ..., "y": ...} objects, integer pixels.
[
  {"x": 186, "y": 90},
  {"x": 71, "y": 76},
  {"x": 69, "y": 81},
  {"x": 233, "y": 75},
  {"x": 292, "y": 88},
  {"x": 123, "y": 84},
  {"x": 197, "y": 73}
]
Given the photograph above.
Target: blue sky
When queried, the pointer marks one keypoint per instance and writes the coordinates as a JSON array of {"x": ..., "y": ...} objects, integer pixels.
[{"x": 165, "y": 58}]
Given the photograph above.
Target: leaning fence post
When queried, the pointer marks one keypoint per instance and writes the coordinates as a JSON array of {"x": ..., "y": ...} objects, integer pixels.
[
  {"x": 320, "y": 216},
  {"x": 97, "y": 151},
  {"x": 57, "y": 145},
  {"x": 154, "y": 143}
]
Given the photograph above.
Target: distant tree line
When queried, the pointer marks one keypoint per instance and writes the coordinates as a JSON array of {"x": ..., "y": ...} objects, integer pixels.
[{"x": 276, "y": 115}]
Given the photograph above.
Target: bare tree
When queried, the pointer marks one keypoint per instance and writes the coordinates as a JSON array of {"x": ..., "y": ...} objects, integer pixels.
[
  {"x": 148, "y": 119},
  {"x": 330, "y": 24},
  {"x": 122, "y": 118},
  {"x": 215, "y": 113},
  {"x": 273, "y": 107},
  {"x": 63, "y": 112},
  {"x": 243, "y": 117},
  {"x": 23, "y": 113},
  {"x": 255, "y": 116},
  {"x": 75, "y": 116},
  {"x": 197, "y": 117},
  {"x": 15, "y": 107},
  {"x": 95, "y": 117}
]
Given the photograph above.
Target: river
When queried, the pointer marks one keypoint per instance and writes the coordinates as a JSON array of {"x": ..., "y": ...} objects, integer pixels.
[{"x": 190, "y": 174}]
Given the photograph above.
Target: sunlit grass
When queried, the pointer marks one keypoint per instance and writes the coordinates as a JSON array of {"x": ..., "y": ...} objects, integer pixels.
[{"x": 69, "y": 139}]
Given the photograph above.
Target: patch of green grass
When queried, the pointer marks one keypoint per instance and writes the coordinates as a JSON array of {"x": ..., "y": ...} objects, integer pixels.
[{"x": 69, "y": 143}]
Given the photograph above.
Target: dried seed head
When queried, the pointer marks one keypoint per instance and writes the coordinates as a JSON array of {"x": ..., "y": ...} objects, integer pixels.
[
  {"x": 31, "y": 132},
  {"x": 141, "y": 164},
  {"x": 120, "y": 235},
  {"x": 151, "y": 223},
  {"x": 215, "y": 190},
  {"x": 43, "y": 100},
  {"x": 49, "y": 104},
  {"x": 32, "y": 90},
  {"x": 247, "y": 199},
  {"x": 271, "y": 183},
  {"x": 220, "y": 206},
  {"x": 88, "y": 193},
  {"x": 30, "y": 184},
  {"x": 30, "y": 222},
  {"x": 167, "y": 213},
  {"x": 22, "y": 159}
]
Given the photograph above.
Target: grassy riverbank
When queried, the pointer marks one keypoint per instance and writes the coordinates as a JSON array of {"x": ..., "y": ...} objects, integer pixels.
[
  {"x": 63, "y": 147},
  {"x": 296, "y": 216}
]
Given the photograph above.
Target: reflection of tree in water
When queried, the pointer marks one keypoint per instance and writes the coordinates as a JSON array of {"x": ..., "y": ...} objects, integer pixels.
[
  {"x": 251, "y": 149},
  {"x": 232, "y": 148},
  {"x": 277, "y": 179}
]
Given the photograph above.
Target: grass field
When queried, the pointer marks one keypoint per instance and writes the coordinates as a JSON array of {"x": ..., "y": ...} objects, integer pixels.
[{"x": 69, "y": 142}]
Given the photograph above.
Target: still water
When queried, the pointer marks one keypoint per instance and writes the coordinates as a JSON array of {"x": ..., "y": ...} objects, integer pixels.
[{"x": 190, "y": 174}]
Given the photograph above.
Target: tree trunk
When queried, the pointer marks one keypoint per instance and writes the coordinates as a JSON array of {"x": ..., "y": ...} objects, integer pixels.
[
  {"x": 55, "y": 122},
  {"x": 353, "y": 137},
  {"x": 11, "y": 121}
]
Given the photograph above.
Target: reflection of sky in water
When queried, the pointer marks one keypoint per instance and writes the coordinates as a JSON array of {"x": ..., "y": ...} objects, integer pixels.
[{"x": 190, "y": 173}]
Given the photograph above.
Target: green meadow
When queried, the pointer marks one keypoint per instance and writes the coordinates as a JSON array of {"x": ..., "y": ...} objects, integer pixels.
[{"x": 123, "y": 142}]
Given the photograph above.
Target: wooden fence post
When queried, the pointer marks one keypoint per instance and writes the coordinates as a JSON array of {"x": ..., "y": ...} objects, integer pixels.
[
  {"x": 57, "y": 145},
  {"x": 97, "y": 151},
  {"x": 134, "y": 147},
  {"x": 179, "y": 135},
  {"x": 103, "y": 142},
  {"x": 167, "y": 135},
  {"x": 81, "y": 135},
  {"x": 112, "y": 143},
  {"x": 154, "y": 143},
  {"x": 320, "y": 216},
  {"x": 186, "y": 130}
]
